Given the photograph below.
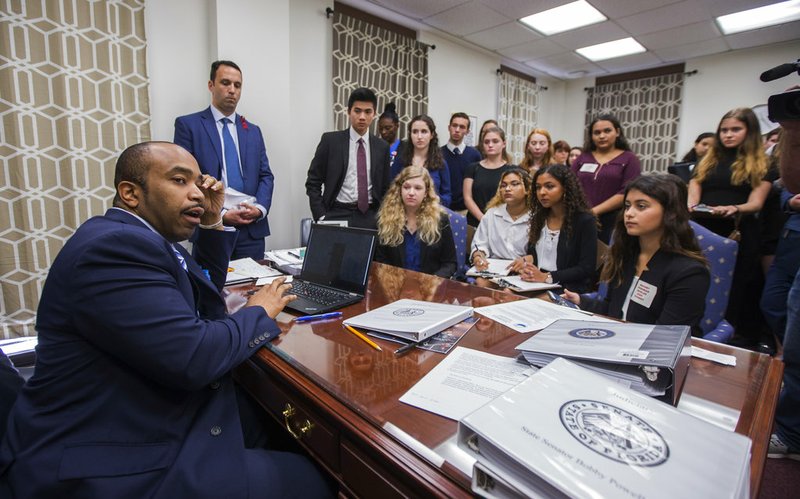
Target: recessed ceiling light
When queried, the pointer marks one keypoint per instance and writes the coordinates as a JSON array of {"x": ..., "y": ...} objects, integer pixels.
[
  {"x": 609, "y": 50},
  {"x": 569, "y": 16},
  {"x": 768, "y": 15}
]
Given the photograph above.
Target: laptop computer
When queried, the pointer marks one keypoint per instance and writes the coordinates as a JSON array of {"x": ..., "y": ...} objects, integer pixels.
[{"x": 335, "y": 269}]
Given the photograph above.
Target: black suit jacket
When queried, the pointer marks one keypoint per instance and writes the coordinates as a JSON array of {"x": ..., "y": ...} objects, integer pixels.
[
  {"x": 329, "y": 166},
  {"x": 681, "y": 283},
  {"x": 576, "y": 255},
  {"x": 437, "y": 259}
]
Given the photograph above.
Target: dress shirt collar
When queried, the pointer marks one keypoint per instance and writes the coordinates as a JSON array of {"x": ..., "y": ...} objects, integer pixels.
[
  {"x": 217, "y": 114},
  {"x": 451, "y": 146},
  {"x": 354, "y": 136},
  {"x": 146, "y": 224}
]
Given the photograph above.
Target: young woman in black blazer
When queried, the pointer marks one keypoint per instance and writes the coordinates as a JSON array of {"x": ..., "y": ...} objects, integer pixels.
[
  {"x": 562, "y": 236},
  {"x": 656, "y": 273},
  {"x": 413, "y": 229}
]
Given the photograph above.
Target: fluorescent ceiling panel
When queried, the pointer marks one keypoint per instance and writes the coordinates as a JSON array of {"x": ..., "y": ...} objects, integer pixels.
[
  {"x": 760, "y": 17},
  {"x": 609, "y": 50},
  {"x": 567, "y": 17}
]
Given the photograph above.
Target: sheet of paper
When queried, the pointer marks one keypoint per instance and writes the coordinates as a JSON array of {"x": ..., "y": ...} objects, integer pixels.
[
  {"x": 465, "y": 380},
  {"x": 497, "y": 266},
  {"x": 719, "y": 358},
  {"x": 246, "y": 268},
  {"x": 516, "y": 283},
  {"x": 266, "y": 281},
  {"x": 526, "y": 316},
  {"x": 234, "y": 198},
  {"x": 293, "y": 256}
]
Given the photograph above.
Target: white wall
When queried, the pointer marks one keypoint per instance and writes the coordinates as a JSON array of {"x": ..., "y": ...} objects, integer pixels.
[{"x": 729, "y": 80}]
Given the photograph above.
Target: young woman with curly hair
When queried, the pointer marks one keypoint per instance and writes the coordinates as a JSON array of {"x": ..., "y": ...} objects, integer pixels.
[
  {"x": 562, "y": 237},
  {"x": 503, "y": 231},
  {"x": 538, "y": 150},
  {"x": 605, "y": 167},
  {"x": 413, "y": 230},
  {"x": 733, "y": 180},
  {"x": 655, "y": 272},
  {"x": 482, "y": 178},
  {"x": 422, "y": 149}
]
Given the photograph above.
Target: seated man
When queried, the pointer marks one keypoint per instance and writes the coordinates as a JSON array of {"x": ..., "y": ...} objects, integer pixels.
[{"x": 132, "y": 394}]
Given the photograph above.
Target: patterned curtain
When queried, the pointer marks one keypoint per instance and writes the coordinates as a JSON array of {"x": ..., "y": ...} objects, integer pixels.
[
  {"x": 73, "y": 95},
  {"x": 519, "y": 112},
  {"x": 649, "y": 110},
  {"x": 394, "y": 66}
]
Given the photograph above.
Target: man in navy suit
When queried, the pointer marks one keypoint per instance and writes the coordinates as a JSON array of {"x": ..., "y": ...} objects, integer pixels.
[
  {"x": 349, "y": 173},
  {"x": 231, "y": 149},
  {"x": 132, "y": 394}
]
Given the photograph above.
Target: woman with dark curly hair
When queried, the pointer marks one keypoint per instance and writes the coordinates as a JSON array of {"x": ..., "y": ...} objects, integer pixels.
[
  {"x": 413, "y": 230},
  {"x": 422, "y": 149},
  {"x": 605, "y": 166},
  {"x": 655, "y": 272},
  {"x": 562, "y": 236}
]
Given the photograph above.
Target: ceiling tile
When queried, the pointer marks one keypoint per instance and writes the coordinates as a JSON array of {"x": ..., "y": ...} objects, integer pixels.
[
  {"x": 589, "y": 35},
  {"x": 630, "y": 62},
  {"x": 721, "y": 7},
  {"x": 566, "y": 67},
  {"x": 618, "y": 8},
  {"x": 692, "y": 50},
  {"x": 505, "y": 35},
  {"x": 681, "y": 35},
  {"x": 516, "y": 9},
  {"x": 532, "y": 50},
  {"x": 667, "y": 17},
  {"x": 418, "y": 9},
  {"x": 466, "y": 19},
  {"x": 763, "y": 36}
]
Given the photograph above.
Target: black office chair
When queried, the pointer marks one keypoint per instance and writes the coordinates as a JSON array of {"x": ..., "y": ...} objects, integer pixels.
[
  {"x": 305, "y": 230},
  {"x": 683, "y": 170}
]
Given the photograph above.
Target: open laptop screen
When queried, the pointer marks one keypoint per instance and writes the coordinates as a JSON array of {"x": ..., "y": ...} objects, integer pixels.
[{"x": 339, "y": 257}]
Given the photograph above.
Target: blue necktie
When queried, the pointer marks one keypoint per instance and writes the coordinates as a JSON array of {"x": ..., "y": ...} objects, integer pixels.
[
  {"x": 181, "y": 259},
  {"x": 231, "y": 158}
]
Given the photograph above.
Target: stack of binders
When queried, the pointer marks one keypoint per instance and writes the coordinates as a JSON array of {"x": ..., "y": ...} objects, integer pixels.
[
  {"x": 568, "y": 432},
  {"x": 649, "y": 359}
]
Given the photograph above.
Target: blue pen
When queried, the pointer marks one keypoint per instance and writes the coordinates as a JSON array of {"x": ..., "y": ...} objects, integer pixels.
[{"x": 306, "y": 318}]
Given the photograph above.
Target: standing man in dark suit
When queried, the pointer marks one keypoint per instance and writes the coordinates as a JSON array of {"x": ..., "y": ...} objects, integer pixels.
[
  {"x": 231, "y": 149},
  {"x": 353, "y": 167},
  {"x": 132, "y": 394},
  {"x": 458, "y": 156}
]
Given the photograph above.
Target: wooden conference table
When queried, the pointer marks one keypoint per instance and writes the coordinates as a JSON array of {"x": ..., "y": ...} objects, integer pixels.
[{"x": 339, "y": 397}]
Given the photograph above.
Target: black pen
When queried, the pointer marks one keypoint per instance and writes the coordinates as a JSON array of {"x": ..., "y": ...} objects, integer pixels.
[{"x": 405, "y": 349}]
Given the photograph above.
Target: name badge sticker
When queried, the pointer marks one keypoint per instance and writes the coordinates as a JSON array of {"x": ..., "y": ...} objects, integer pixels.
[
  {"x": 633, "y": 354},
  {"x": 644, "y": 293},
  {"x": 589, "y": 167}
]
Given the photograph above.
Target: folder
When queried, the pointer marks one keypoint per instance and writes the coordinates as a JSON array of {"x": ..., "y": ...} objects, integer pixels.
[{"x": 413, "y": 320}]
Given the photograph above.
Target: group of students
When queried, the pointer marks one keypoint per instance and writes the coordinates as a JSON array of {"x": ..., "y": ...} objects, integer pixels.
[{"x": 548, "y": 213}]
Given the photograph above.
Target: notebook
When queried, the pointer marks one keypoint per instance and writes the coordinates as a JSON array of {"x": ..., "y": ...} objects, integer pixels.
[{"x": 335, "y": 269}]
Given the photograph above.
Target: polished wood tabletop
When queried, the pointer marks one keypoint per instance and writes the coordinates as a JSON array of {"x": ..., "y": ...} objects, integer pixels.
[{"x": 341, "y": 375}]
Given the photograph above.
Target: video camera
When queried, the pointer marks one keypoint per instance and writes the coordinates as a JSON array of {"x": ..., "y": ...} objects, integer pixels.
[{"x": 785, "y": 106}]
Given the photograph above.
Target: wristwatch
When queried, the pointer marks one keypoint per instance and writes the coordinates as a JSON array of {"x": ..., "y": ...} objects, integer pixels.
[{"x": 549, "y": 278}]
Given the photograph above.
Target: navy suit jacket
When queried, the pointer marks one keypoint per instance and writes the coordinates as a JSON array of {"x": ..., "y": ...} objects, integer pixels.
[
  {"x": 197, "y": 133},
  {"x": 329, "y": 166},
  {"x": 132, "y": 394}
]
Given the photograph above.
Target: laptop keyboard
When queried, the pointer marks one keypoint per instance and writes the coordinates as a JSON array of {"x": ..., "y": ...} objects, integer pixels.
[{"x": 318, "y": 294}]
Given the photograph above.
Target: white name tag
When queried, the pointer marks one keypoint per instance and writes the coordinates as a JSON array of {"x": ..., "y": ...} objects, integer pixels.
[
  {"x": 589, "y": 167},
  {"x": 644, "y": 293},
  {"x": 633, "y": 354}
]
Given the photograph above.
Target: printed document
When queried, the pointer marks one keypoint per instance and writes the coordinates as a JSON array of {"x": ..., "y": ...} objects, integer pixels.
[
  {"x": 526, "y": 316},
  {"x": 465, "y": 380}
]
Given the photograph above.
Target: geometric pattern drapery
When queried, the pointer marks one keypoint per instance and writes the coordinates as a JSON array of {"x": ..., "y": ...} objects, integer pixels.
[
  {"x": 649, "y": 111},
  {"x": 394, "y": 66},
  {"x": 519, "y": 112},
  {"x": 73, "y": 95}
]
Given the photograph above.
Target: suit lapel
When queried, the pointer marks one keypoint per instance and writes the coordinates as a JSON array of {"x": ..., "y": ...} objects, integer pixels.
[{"x": 213, "y": 135}]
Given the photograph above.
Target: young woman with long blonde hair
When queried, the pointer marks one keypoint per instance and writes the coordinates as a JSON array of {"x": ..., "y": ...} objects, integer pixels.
[{"x": 413, "y": 229}]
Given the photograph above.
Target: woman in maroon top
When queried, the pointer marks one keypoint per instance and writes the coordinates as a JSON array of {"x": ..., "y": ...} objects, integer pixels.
[{"x": 604, "y": 169}]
